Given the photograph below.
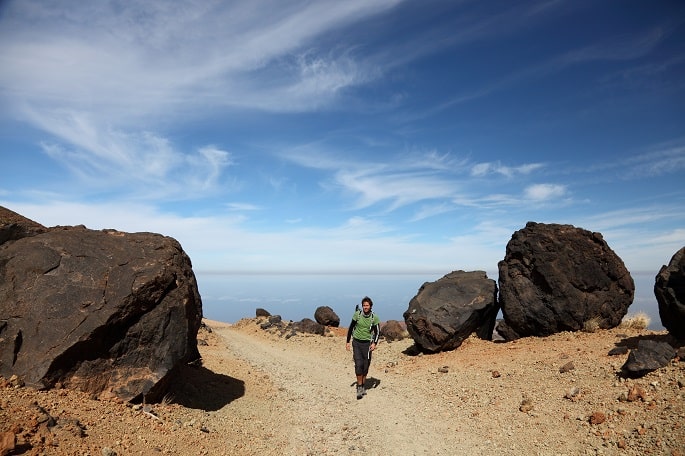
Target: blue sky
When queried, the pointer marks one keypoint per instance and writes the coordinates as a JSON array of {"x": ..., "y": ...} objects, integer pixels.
[{"x": 355, "y": 136}]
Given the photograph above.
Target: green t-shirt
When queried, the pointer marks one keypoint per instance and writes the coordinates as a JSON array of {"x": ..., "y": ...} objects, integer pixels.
[{"x": 363, "y": 325}]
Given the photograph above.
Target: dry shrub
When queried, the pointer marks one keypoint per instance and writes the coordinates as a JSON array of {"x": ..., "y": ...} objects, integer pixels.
[
  {"x": 168, "y": 399},
  {"x": 639, "y": 320},
  {"x": 591, "y": 325}
]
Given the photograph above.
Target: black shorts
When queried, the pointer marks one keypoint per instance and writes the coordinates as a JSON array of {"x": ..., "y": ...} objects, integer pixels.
[{"x": 361, "y": 352}]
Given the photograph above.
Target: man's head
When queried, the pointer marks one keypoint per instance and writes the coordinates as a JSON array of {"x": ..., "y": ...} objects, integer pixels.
[{"x": 367, "y": 304}]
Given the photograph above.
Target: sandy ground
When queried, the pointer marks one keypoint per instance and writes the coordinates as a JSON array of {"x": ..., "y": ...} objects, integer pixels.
[{"x": 260, "y": 393}]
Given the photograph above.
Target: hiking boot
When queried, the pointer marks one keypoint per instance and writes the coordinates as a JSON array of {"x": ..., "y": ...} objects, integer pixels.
[
  {"x": 363, "y": 390},
  {"x": 360, "y": 391}
]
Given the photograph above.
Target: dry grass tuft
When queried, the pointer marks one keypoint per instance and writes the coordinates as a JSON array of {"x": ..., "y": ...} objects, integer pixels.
[
  {"x": 639, "y": 320},
  {"x": 591, "y": 325},
  {"x": 168, "y": 399}
]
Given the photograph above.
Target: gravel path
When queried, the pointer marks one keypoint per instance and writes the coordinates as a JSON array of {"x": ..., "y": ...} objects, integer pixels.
[{"x": 328, "y": 419}]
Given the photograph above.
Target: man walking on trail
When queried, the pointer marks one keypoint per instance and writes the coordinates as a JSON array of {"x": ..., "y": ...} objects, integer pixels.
[{"x": 364, "y": 331}]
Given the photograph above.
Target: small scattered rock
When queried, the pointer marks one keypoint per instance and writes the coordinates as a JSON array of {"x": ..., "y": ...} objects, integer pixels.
[
  {"x": 569, "y": 366},
  {"x": 16, "y": 382},
  {"x": 681, "y": 354},
  {"x": 597, "y": 418},
  {"x": 572, "y": 394},
  {"x": 443, "y": 369},
  {"x": 637, "y": 393},
  {"x": 496, "y": 374},
  {"x": 526, "y": 405}
]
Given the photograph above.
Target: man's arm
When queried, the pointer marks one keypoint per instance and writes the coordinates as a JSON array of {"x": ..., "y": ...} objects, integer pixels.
[
  {"x": 350, "y": 329},
  {"x": 375, "y": 333}
]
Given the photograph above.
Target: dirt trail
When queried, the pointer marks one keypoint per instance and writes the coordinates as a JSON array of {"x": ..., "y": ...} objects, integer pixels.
[
  {"x": 258, "y": 393},
  {"x": 326, "y": 416}
]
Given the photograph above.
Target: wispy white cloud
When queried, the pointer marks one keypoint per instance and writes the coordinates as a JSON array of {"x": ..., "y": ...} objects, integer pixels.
[
  {"x": 544, "y": 192},
  {"x": 483, "y": 169},
  {"x": 441, "y": 182},
  {"x": 397, "y": 188},
  {"x": 103, "y": 79},
  {"x": 212, "y": 161},
  {"x": 242, "y": 207},
  {"x": 107, "y": 157},
  {"x": 432, "y": 210},
  {"x": 634, "y": 216},
  {"x": 662, "y": 159},
  {"x": 107, "y": 57}
]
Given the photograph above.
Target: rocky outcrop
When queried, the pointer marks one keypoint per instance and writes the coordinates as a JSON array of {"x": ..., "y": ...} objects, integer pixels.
[
  {"x": 558, "y": 278},
  {"x": 106, "y": 312},
  {"x": 445, "y": 312},
  {"x": 276, "y": 325},
  {"x": 14, "y": 226},
  {"x": 669, "y": 289},
  {"x": 324, "y": 315}
]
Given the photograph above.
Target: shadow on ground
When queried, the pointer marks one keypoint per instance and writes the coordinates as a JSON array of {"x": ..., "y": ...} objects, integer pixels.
[
  {"x": 632, "y": 342},
  {"x": 197, "y": 387},
  {"x": 370, "y": 382}
]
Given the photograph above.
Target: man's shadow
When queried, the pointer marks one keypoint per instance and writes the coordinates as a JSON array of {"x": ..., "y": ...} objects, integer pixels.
[{"x": 370, "y": 383}]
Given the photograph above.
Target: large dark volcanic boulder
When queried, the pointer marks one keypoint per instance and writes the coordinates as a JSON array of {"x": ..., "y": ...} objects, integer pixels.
[
  {"x": 309, "y": 326},
  {"x": 445, "y": 312},
  {"x": 105, "y": 312},
  {"x": 669, "y": 289},
  {"x": 557, "y": 277},
  {"x": 326, "y": 316}
]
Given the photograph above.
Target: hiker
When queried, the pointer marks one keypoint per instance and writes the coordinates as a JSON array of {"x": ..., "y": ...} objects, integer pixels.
[{"x": 364, "y": 331}]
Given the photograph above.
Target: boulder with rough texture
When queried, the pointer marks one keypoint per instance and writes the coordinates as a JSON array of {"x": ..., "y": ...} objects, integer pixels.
[
  {"x": 262, "y": 313},
  {"x": 14, "y": 226},
  {"x": 445, "y": 312},
  {"x": 8, "y": 442},
  {"x": 309, "y": 326},
  {"x": 669, "y": 289},
  {"x": 324, "y": 315},
  {"x": 106, "y": 312},
  {"x": 558, "y": 277},
  {"x": 649, "y": 356}
]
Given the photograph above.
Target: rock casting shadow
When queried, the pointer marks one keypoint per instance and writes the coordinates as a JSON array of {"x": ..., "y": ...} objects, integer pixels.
[
  {"x": 631, "y": 342},
  {"x": 200, "y": 388},
  {"x": 412, "y": 350}
]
